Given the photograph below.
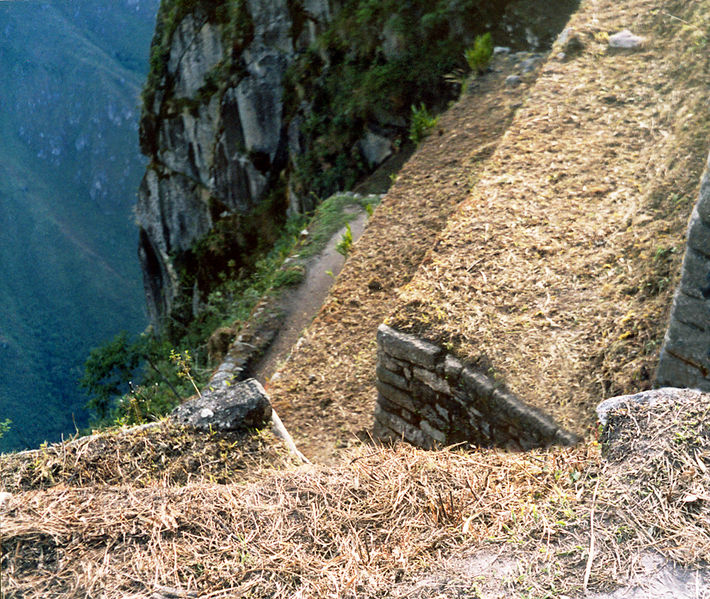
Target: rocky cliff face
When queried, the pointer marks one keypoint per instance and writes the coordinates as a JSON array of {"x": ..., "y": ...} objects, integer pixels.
[{"x": 214, "y": 132}]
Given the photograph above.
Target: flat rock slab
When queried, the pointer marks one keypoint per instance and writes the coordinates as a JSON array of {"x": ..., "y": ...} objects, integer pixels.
[
  {"x": 235, "y": 407},
  {"x": 649, "y": 398}
]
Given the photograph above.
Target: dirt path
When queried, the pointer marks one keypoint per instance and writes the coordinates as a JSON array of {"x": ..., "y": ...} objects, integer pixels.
[{"x": 302, "y": 303}]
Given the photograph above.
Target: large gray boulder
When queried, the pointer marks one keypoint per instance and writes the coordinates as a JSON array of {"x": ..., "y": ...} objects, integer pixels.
[{"x": 234, "y": 407}]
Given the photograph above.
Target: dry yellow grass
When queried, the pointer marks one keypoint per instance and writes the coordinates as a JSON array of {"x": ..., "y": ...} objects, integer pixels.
[
  {"x": 556, "y": 274},
  {"x": 379, "y": 522}
]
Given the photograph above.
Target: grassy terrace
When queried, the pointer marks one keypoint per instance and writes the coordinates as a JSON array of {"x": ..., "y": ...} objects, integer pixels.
[{"x": 556, "y": 273}]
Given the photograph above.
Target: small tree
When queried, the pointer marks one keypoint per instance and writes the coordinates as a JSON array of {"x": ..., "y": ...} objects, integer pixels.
[
  {"x": 480, "y": 54},
  {"x": 108, "y": 371}
]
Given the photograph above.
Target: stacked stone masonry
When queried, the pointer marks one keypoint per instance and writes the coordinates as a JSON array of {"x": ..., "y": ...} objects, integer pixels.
[
  {"x": 429, "y": 398},
  {"x": 685, "y": 357}
]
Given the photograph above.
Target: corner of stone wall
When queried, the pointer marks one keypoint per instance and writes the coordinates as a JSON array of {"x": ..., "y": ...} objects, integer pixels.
[
  {"x": 429, "y": 398},
  {"x": 685, "y": 356}
]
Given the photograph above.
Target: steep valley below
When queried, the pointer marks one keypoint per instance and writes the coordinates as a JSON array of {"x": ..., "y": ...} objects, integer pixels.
[{"x": 69, "y": 168}]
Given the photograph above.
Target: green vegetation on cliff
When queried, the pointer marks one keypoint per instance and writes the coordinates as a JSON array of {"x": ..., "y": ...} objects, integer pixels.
[{"x": 374, "y": 61}]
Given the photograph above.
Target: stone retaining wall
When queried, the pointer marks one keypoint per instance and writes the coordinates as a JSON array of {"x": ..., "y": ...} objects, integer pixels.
[
  {"x": 685, "y": 356},
  {"x": 429, "y": 398}
]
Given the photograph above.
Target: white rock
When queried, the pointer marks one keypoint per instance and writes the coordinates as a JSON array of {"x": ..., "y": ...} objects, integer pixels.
[{"x": 625, "y": 39}]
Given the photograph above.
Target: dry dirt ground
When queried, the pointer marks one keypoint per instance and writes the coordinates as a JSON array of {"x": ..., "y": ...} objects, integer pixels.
[
  {"x": 545, "y": 247},
  {"x": 325, "y": 395}
]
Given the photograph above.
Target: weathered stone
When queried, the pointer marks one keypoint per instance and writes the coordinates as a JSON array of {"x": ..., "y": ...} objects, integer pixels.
[
  {"x": 673, "y": 371},
  {"x": 691, "y": 346},
  {"x": 452, "y": 369},
  {"x": 698, "y": 234},
  {"x": 428, "y": 412},
  {"x": 647, "y": 398},
  {"x": 259, "y": 103},
  {"x": 703, "y": 204},
  {"x": 408, "y": 347},
  {"x": 477, "y": 384},
  {"x": 431, "y": 380},
  {"x": 389, "y": 377},
  {"x": 520, "y": 415},
  {"x": 389, "y": 363},
  {"x": 435, "y": 434},
  {"x": 196, "y": 48},
  {"x": 693, "y": 312},
  {"x": 403, "y": 429},
  {"x": 236, "y": 407},
  {"x": 513, "y": 80},
  {"x": 397, "y": 396},
  {"x": 625, "y": 39},
  {"x": 375, "y": 148},
  {"x": 695, "y": 278}
]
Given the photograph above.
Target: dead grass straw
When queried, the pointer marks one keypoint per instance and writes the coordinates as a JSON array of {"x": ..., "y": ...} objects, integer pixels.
[{"x": 384, "y": 519}]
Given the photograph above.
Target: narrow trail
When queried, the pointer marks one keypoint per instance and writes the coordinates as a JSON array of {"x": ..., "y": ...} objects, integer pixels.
[{"x": 303, "y": 302}]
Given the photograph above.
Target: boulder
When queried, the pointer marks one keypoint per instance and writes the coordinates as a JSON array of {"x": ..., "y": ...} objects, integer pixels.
[
  {"x": 235, "y": 407},
  {"x": 375, "y": 148},
  {"x": 625, "y": 40},
  {"x": 648, "y": 398}
]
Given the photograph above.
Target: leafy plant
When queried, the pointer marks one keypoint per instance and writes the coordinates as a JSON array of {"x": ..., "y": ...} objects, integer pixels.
[
  {"x": 346, "y": 241},
  {"x": 421, "y": 124},
  {"x": 479, "y": 55},
  {"x": 183, "y": 363},
  {"x": 4, "y": 426}
]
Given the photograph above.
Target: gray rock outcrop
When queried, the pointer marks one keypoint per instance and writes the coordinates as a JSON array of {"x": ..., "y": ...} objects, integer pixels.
[
  {"x": 234, "y": 407},
  {"x": 215, "y": 135},
  {"x": 685, "y": 356}
]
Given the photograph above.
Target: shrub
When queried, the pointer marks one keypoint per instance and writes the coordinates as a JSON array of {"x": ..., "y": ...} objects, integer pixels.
[
  {"x": 479, "y": 55},
  {"x": 346, "y": 241},
  {"x": 422, "y": 123}
]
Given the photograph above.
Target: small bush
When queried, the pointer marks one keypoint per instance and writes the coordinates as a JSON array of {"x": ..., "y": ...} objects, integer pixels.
[
  {"x": 422, "y": 122},
  {"x": 480, "y": 54},
  {"x": 346, "y": 241}
]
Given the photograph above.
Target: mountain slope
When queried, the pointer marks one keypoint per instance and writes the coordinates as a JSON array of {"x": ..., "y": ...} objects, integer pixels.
[{"x": 69, "y": 167}]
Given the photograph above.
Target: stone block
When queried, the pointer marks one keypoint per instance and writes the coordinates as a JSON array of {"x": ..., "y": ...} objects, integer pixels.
[
  {"x": 695, "y": 277},
  {"x": 452, "y": 369},
  {"x": 403, "y": 429},
  {"x": 673, "y": 372},
  {"x": 389, "y": 377},
  {"x": 703, "y": 205},
  {"x": 434, "y": 433},
  {"x": 236, "y": 407},
  {"x": 699, "y": 234},
  {"x": 443, "y": 412},
  {"x": 693, "y": 312},
  {"x": 689, "y": 344},
  {"x": 524, "y": 417},
  {"x": 408, "y": 347},
  {"x": 429, "y": 413},
  {"x": 477, "y": 384},
  {"x": 387, "y": 405},
  {"x": 389, "y": 363},
  {"x": 396, "y": 396},
  {"x": 432, "y": 380}
]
